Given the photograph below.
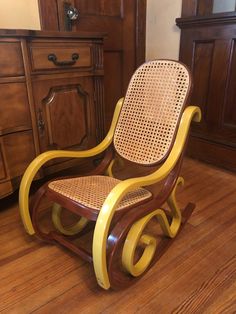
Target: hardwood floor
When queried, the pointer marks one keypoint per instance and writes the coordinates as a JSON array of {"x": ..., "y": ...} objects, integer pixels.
[{"x": 196, "y": 275}]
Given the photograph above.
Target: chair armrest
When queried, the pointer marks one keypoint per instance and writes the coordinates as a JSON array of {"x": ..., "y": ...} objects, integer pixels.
[
  {"x": 119, "y": 191},
  {"x": 40, "y": 160}
]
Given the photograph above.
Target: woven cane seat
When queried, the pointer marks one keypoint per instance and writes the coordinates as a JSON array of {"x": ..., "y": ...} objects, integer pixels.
[
  {"x": 151, "y": 111},
  {"x": 91, "y": 191}
]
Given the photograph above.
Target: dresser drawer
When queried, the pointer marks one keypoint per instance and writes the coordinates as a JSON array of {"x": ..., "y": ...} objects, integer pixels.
[
  {"x": 60, "y": 57},
  {"x": 19, "y": 151},
  {"x": 11, "y": 62},
  {"x": 14, "y": 107}
]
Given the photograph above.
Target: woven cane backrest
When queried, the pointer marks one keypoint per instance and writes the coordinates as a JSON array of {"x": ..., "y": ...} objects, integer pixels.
[{"x": 151, "y": 111}]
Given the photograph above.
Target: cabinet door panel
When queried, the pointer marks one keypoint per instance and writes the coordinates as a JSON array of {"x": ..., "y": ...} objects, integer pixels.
[
  {"x": 65, "y": 113},
  {"x": 66, "y": 116},
  {"x": 203, "y": 54},
  {"x": 229, "y": 114}
]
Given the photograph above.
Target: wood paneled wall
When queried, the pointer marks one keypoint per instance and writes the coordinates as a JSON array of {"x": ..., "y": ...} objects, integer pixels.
[{"x": 208, "y": 47}]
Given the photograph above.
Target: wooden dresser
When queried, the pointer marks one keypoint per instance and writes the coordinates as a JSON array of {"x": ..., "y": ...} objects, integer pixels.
[{"x": 51, "y": 97}]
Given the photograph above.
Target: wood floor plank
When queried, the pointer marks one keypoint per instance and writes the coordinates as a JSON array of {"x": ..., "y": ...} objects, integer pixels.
[
  {"x": 201, "y": 284},
  {"x": 225, "y": 302},
  {"x": 32, "y": 272}
]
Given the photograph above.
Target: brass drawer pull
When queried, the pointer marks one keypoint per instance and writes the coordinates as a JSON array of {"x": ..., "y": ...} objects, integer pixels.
[{"x": 53, "y": 58}]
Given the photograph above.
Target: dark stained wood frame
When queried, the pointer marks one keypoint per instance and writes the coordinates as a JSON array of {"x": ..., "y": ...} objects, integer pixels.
[
  {"x": 209, "y": 20},
  {"x": 46, "y": 9}
]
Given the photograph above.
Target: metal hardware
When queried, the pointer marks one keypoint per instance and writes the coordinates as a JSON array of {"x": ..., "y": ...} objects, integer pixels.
[
  {"x": 70, "y": 15},
  {"x": 53, "y": 58}
]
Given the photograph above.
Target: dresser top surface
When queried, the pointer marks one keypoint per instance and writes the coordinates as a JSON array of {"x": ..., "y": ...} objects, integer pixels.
[{"x": 50, "y": 34}]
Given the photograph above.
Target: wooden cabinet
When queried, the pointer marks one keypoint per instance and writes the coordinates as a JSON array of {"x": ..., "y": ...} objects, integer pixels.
[
  {"x": 208, "y": 47},
  {"x": 51, "y": 87}
]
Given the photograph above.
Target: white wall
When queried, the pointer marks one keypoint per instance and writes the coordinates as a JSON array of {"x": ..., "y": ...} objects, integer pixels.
[
  {"x": 19, "y": 14},
  {"x": 162, "y": 35}
]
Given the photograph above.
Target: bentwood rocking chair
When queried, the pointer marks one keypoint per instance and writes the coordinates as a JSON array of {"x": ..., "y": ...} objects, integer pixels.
[{"x": 150, "y": 127}]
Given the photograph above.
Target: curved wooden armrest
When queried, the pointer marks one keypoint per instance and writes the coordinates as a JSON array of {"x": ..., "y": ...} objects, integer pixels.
[
  {"x": 119, "y": 191},
  {"x": 40, "y": 160}
]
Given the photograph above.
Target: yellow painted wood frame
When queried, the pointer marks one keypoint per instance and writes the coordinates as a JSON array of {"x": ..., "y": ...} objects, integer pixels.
[
  {"x": 108, "y": 209},
  {"x": 118, "y": 192},
  {"x": 37, "y": 163}
]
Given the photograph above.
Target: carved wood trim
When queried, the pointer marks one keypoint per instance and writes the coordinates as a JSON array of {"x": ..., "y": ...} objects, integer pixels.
[
  {"x": 214, "y": 19},
  {"x": 50, "y": 98},
  {"x": 97, "y": 52}
]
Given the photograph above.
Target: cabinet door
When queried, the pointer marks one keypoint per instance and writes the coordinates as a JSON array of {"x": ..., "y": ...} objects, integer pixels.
[
  {"x": 210, "y": 53},
  {"x": 65, "y": 113}
]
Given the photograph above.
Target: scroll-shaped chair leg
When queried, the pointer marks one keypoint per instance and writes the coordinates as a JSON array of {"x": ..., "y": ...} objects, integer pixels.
[
  {"x": 135, "y": 237},
  {"x": 125, "y": 240},
  {"x": 69, "y": 231},
  {"x": 56, "y": 218}
]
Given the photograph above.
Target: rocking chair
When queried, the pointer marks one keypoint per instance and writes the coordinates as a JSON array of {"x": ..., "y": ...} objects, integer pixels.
[{"x": 150, "y": 127}]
